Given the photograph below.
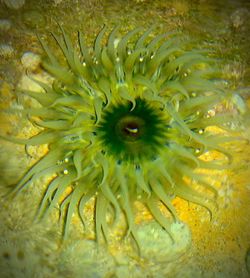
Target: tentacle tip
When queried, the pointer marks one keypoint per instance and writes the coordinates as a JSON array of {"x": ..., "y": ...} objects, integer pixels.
[{"x": 133, "y": 105}]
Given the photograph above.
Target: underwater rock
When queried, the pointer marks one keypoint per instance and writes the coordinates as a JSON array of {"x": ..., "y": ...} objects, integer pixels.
[
  {"x": 14, "y": 4},
  {"x": 57, "y": 2},
  {"x": 6, "y": 50},
  {"x": 157, "y": 245},
  {"x": 5, "y": 24},
  {"x": 83, "y": 259},
  {"x": 33, "y": 18},
  {"x": 16, "y": 261},
  {"x": 239, "y": 17},
  {"x": 30, "y": 61}
]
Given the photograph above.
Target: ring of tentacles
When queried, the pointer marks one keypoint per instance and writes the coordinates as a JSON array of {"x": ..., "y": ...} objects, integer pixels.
[{"x": 125, "y": 120}]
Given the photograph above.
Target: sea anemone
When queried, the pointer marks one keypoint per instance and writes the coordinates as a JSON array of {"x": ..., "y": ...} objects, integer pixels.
[{"x": 126, "y": 120}]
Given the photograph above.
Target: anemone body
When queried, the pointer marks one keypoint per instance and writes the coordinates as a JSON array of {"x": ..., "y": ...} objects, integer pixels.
[{"x": 125, "y": 121}]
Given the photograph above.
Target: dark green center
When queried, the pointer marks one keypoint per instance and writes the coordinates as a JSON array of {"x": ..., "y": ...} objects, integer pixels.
[{"x": 131, "y": 135}]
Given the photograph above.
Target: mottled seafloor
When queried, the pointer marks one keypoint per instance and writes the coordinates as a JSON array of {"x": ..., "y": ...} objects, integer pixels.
[{"x": 203, "y": 248}]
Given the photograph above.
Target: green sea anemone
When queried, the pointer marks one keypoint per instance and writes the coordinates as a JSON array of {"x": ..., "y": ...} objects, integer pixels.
[{"x": 126, "y": 121}]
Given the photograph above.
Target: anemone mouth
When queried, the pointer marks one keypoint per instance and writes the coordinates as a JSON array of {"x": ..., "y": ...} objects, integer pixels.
[
  {"x": 130, "y": 128},
  {"x": 132, "y": 134}
]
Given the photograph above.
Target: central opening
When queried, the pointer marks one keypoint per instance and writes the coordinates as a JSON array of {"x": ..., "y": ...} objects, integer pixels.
[{"x": 130, "y": 128}]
